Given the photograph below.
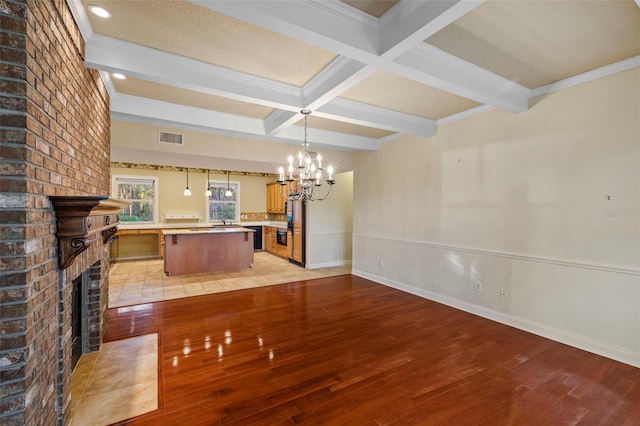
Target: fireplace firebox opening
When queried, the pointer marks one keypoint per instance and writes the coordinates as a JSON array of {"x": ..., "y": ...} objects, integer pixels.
[{"x": 76, "y": 321}]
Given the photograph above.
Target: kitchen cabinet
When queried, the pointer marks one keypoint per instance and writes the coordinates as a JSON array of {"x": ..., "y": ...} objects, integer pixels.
[
  {"x": 296, "y": 252},
  {"x": 297, "y": 232},
  {"x": 268, "y": 232},
  {"x": 275, "y": 203},
  {"x": 270, "y": 239},
  {"x": 271, "y": 242},
  {"x": 131, "y": 236}
]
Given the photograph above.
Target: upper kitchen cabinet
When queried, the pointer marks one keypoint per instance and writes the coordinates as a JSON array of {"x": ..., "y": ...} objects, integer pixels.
[{"x": 275, "y": 203}]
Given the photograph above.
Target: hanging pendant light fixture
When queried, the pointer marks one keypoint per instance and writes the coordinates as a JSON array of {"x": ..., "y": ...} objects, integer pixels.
[
  {"x": 228, "y": 192},
  {"x": 187, "y": 191},
  {"x": 207, "y": 193},
  {"x": 307, "y": 175}
]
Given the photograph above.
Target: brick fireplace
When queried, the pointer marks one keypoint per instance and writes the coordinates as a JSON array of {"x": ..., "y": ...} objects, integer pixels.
[{"x": 54, "y": 141}]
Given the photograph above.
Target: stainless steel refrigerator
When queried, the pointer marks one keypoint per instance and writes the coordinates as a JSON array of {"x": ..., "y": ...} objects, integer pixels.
[{"x": 296, "y": 224}]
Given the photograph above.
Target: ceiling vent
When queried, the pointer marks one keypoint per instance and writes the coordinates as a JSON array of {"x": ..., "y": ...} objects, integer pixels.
[{"x": 172, "y": 138}]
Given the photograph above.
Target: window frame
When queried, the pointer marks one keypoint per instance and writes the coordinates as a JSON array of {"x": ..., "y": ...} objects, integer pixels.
[
  {"x": 136, "y": 179},
  {"x": 216, "y": 183}
]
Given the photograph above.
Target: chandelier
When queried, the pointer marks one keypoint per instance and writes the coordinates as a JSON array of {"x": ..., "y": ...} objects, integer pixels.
[{"x": 301, "y": 178}]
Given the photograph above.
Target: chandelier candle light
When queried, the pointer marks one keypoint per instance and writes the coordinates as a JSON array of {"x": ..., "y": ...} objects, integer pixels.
[{"x": 308, "y": 173}]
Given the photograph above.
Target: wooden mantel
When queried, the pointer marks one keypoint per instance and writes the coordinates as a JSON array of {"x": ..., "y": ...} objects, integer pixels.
[{"x": 79, "y": 217}]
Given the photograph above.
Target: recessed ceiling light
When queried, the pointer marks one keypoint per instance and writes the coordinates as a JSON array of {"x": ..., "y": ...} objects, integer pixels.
[
  {"x": 118, "y": 76},
  {"x": 99, "y": 11}
]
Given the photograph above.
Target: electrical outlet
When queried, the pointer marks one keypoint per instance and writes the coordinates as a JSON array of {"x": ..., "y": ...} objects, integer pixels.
[
  {"x": 504, "y": 293},
  {"x": 477, "y": 286},
  {"x": 381, "y": 263}
]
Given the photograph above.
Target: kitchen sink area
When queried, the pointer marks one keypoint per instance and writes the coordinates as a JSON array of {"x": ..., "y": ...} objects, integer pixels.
[{"x": 226, "y": 228}]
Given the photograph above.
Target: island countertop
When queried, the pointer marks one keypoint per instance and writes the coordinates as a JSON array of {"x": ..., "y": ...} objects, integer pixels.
[{"x": 215, "y": 230}]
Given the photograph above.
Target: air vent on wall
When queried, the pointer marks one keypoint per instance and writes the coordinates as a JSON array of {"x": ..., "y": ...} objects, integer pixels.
[{"x": 172, "y": 138}]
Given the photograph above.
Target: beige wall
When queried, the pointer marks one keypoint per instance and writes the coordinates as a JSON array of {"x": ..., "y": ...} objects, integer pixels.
[
  {"x": 330, "y": 226},
  {"x": 544, "y": 204},
  {"x": 253, "y": 196}
]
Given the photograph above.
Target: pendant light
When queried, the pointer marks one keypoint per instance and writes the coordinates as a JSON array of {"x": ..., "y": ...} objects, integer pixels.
[
  {"x": 207, "y": 193},
  {"x": 228, "y": 192},
  {"x": 187, "y": 192}
]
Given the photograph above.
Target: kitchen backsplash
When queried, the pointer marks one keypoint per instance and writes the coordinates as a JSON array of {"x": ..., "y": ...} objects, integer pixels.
[{"x": 262, "y": 216}]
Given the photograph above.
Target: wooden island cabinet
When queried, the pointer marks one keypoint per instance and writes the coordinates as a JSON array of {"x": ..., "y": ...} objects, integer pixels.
[{"x": 192, "y": 251}]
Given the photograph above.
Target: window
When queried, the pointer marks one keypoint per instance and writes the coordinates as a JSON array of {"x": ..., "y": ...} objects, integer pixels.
[
  {"x": 221, "y": 208},
  {"x": 142, "y": 193}
]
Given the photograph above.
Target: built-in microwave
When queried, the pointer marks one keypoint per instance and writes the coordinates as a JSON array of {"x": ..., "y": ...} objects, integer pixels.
[{"x": 281, "y": 237}]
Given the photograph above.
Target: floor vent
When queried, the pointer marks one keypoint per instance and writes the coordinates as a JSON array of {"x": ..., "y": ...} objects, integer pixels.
[{"x": 172, "y": 138}]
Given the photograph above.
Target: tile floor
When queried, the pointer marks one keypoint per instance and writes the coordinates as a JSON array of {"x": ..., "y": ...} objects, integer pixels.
[
  {"x": 144, "y": 281},
  {"x": 103, "y": 392}
]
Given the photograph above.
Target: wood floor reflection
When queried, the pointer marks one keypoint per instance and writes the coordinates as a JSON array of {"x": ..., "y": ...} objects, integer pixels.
[{"x": 345, "y": 350}]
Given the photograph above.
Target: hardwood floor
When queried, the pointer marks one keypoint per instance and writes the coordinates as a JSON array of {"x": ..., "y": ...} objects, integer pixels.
[{"x": 345, "y": 350}]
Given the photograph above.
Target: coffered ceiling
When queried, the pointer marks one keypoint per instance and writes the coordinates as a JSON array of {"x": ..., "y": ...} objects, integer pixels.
[{"x": 371, "y": 71}]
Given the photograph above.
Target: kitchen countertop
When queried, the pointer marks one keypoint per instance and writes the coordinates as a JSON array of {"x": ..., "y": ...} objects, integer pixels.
[{"x": 178, "y": 225}]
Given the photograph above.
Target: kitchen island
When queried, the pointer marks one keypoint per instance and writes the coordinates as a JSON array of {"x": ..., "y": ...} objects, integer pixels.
[{"x": 196, "y": 250}]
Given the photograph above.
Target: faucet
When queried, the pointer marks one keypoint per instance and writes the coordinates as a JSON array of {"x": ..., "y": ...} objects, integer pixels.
[{"x": 224, "y": 222}]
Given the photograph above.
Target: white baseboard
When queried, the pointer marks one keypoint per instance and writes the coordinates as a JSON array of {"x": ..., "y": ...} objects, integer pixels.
[
  {"x": 562, "y": 336},
  {"x": 328, "y": 264}
]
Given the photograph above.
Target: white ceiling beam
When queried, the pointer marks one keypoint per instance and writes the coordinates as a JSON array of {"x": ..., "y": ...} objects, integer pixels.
[
  {"x": 464, "y": 114},
  {"x": 112, "y": 55},
  {"x": 279, "y": 120},
  {"x": 327, "y": 139},
  {"x": 334, "y": 26},
  {"x": 434, "y": 67},
  {"x": 366, "y": 115},
  {"x": 409, "y": 23},
  {"x": 392, "y": 137},
  {"x": 108, "y": 82},
  {"x": 152, "y": 112},
  {"x": 143, "y": 107},
  {"x": 616, "y": 67},
  {"x": 329, "y": 24},
  {"x": 290, "y": 136},
  {"x": 336, "y": 78}
]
